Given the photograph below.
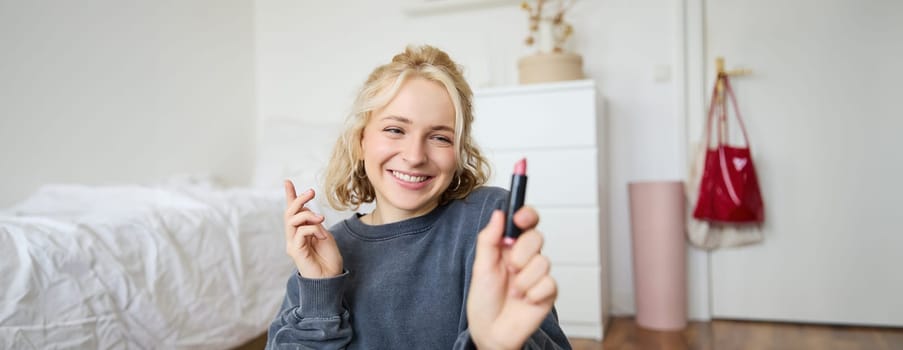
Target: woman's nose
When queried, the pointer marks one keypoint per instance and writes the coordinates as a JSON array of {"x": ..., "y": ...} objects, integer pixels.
[{"x": 414, "y": 153}]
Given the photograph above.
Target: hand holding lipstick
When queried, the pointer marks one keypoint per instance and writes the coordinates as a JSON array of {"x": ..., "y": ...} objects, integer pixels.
[{"x": 511, "y": 291}]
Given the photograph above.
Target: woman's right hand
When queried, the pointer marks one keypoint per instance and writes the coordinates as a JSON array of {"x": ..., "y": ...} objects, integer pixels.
[{"x": 311, "y": 247}]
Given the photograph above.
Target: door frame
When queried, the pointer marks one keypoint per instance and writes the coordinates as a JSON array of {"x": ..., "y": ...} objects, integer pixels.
[{"x": 690, "y": 85}]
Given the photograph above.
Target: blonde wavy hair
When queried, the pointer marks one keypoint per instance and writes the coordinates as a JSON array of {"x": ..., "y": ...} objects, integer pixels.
[{"x": 346, "y": 183}]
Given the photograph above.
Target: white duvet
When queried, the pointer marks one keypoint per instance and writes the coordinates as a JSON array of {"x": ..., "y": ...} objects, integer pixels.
[{"x": 150, "y": 267}]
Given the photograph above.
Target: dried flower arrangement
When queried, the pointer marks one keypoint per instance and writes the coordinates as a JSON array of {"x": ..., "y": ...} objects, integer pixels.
[{"x": 560, "y": 30}]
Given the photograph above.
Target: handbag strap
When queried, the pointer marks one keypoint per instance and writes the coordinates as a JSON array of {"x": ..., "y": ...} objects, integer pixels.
[
  {"x": 708, "y": 122},
  {"x": 723, "y": 121},
  {"x": 721, "y": 113},
  {"x": 730, "y": 93},
  {"x": 722, "y": 129}
]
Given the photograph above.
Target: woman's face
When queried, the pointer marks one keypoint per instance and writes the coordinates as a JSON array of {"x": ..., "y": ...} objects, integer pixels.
[{"x": 409, "y": 151}]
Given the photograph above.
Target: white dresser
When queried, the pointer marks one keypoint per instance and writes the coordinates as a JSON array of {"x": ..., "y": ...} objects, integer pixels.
[{"x": 558, "y": 128}]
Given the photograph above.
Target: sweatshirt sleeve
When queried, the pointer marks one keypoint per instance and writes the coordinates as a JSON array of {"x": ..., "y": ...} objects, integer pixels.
[
  {"x": 549, "y": 336},
  {"x": 312, "y": 315}
]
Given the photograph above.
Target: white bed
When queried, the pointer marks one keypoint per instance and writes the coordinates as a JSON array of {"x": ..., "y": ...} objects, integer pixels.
[{"x": 184, "y": 264}]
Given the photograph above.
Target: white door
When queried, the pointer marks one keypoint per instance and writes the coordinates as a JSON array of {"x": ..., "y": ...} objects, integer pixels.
[{"x": 824, "y": 110}]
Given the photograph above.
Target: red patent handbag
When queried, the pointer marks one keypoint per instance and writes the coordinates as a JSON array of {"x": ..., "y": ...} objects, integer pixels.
[{"x": 729, "y": 190}]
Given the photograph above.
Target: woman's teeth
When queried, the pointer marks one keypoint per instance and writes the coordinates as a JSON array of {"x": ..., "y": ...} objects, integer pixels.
[{"x": 408, "y": 178}]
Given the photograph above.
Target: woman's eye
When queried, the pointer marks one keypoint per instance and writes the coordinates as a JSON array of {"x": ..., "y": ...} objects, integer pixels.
[
  {"x": 394, "y": 131},
  {"x": 443, "y": 139}
]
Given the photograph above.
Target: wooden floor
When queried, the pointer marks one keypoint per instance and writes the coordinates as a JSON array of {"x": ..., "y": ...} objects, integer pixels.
[{"x": 623, "y": 334}]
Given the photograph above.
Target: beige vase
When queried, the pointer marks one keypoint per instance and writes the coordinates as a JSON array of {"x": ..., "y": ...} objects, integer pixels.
[{"x": 548, "y": 67}]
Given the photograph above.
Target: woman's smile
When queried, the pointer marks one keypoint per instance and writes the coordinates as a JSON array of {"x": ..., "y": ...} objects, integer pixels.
[{"x": 406, "y": 177}]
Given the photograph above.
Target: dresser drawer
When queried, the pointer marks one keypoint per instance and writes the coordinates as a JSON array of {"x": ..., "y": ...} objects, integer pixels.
[
  {"x": 535, "y": 119},
  {"x": 566, "y": 177},
  {"x": 579, "y": 294},
  {"x": 571, "y": 235}
]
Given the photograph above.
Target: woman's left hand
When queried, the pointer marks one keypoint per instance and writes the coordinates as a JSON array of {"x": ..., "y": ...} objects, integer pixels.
[{"x": 511, "y": 291}]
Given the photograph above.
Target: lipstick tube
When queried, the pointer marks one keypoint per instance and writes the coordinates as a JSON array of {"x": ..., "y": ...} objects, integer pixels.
[{"x": 515, "y": 201}]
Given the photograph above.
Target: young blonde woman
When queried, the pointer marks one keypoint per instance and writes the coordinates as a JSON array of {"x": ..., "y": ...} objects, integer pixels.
[{"x": 425, "y": 269}]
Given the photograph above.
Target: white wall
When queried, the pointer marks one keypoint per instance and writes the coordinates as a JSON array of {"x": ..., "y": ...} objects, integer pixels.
[
  {"x": 312, "y": 56},
  {"x": 105, "y": 91}
]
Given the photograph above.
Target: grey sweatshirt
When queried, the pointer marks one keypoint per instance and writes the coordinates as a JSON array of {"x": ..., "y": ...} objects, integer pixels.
[{"x": 404, "y": 286}]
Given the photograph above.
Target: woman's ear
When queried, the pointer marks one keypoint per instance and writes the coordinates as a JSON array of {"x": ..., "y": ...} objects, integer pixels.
[
  {"x": 357, "y": 152},
  {"x": 360, "y": 137}
]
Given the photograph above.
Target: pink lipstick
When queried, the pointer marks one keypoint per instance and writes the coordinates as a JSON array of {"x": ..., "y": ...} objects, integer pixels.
[{"x": 515, "y": 200}]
